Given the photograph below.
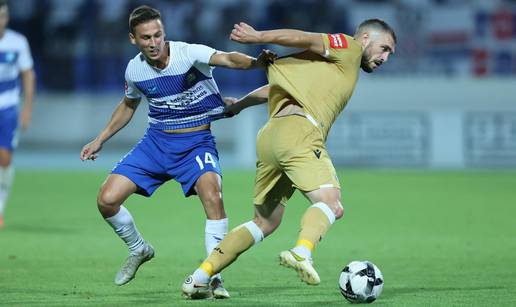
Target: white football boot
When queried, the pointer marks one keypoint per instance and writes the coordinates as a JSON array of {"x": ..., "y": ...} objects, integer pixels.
[
  {"x": 196, "y": 291},
  {"x": 217, "y": 286},
  {"x": 303, "y": 266},
  {"x": 131, "y": 265}
]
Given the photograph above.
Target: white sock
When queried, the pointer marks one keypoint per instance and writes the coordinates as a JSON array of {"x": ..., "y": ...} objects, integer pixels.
[
  {"x": 6, "y": 180},
  {"x": 302, "y": 251},
  {"x": 123, "y": 224},
  {"x": 214, "y": 233},
  {"x": 201, "y": 277}
]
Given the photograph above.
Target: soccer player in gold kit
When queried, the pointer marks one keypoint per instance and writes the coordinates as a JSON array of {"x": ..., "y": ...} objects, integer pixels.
[{"x": 306, "y": 93}]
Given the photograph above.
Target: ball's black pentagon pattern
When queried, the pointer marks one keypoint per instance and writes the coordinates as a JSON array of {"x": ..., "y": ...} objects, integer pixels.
[
  {"x": 367, "y": 294},
  {"x": 378, "y": 282}
]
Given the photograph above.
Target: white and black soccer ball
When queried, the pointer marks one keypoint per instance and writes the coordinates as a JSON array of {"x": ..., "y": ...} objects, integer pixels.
[{"x": 361, "y": 282}]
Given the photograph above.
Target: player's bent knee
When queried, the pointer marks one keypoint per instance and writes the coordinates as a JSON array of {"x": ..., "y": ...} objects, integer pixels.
[
  {"x": 107, "y": 199},
  {"x": 339, "y": 212},
  {"x": 5, "y": 163},
  {"x": 5, "y": 158},
  {"x": 336, "y": 208},
  {"x": 267, "y": 226}
]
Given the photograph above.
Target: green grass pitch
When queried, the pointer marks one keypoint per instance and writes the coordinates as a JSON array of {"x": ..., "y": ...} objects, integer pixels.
[{"x": 440, "y": 239}]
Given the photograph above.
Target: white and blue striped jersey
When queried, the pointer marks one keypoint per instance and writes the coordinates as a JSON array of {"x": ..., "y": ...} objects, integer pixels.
[
  {"x": 182, "y": 95},
  {"x": 15, "y": 57}
]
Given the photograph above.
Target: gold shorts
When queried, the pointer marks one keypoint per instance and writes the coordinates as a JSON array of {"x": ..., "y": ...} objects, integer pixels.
[{"x": 291, "y": 155}]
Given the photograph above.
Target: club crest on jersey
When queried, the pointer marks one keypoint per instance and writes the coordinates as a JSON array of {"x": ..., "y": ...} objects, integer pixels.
[
  {"x": 190, "y": 78},
  {"x": 338, "y": 41}
]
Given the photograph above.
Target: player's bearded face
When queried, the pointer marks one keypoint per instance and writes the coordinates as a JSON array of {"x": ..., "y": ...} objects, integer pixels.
[
  {"x": 366, "y": 63},
  {"x": 376, "y": 52}
]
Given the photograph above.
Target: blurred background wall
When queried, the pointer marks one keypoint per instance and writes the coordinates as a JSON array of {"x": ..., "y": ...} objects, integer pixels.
[{"x": 446, "y": 99}]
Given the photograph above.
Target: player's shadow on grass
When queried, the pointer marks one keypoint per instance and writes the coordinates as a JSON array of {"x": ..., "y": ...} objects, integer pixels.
[
  {"x": 45, "y": 229},
  {"x": 131, "y": 297},
  {"x": 287, "y": 295},
  {"x": 400, "y": 291},
  {"x": 264, "y": 289}
]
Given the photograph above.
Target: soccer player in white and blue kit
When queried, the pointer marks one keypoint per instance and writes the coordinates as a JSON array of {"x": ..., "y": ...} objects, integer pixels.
[
  {"x": 15, "y": 64},
  {"x": 176, "y": 80}
]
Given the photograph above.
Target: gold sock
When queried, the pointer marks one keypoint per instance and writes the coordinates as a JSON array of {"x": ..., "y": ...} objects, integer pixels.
[
  {"x": 234, "y": 243},
  {"x": 314, "y": 225}
]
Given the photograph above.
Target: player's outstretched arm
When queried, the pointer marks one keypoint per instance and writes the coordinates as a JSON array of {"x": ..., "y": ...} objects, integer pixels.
[
  {"x": 245, "y": 34},
  {"x": 120, "y": 117},
  {"x": 239, "y": 60},
  {"x": 256, "y": 97}
]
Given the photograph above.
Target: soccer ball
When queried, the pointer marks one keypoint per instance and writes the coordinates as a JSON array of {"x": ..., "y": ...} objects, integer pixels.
[{"x": 361, "y": 282}]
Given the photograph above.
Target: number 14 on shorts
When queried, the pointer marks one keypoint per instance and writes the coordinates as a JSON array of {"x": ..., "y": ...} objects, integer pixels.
[{"x": 208, "y": 159}]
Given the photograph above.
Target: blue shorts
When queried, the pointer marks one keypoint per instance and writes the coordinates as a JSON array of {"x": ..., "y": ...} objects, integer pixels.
[
  {"x": 160, "y": 156},
  {"x": 9, "y": 128}
]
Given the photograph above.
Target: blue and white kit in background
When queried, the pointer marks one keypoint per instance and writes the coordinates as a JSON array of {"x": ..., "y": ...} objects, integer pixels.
[
  {"x": 15, "y": 58},
  {"x": 182, "y": 95}
]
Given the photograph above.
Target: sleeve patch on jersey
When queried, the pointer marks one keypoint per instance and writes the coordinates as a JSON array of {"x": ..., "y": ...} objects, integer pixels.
[
  {"x": 338, "y": 41},
  {"x": 126, "y": 87}
]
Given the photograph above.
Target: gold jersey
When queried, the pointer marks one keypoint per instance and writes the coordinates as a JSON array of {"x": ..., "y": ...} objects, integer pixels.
[{"x": 321, "y": 85}]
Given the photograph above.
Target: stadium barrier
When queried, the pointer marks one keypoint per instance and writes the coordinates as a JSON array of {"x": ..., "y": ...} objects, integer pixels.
[{"x": 389, "y": 122}]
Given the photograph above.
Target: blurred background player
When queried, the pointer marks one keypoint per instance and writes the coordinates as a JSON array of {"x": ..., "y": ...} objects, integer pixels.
[
  {"x": 306, "y": 93},
  {"x": 15, "y": 62},
  {"x": 176, "y": 80}
]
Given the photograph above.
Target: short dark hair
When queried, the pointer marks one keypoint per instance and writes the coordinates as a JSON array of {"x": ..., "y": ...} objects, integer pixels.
[
  {"x": 142, "y": 14},
  {"x": 377, "y": 24},
  {"x": 3, "y": 2}
]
